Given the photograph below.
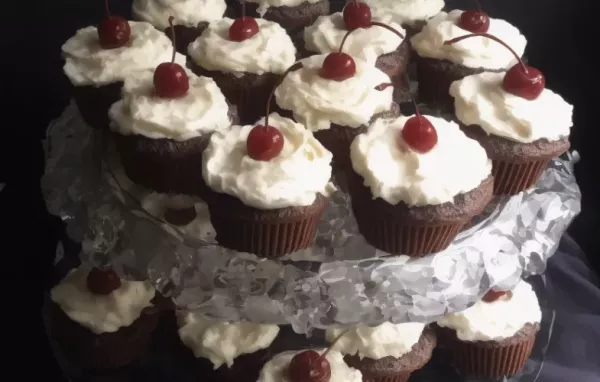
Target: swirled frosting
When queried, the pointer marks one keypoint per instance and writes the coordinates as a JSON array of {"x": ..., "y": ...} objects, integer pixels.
[
  {"x": 327, "y": 33},
  {"x": 395, "y": 173},
  {"x": 385, "y": 340},
  {"x": 202, "y": 110},
  {"x": 264, "y": 5},
  {"x": 86, "y": 63},
  {"x": 276, "y": 369},
  {"x": 101, "y": 313},
  {"x": 405, "y": 11},
  {"x": 269, "y": 51},
  {"x": 221, "y": 342},
  {"x": 294, "y": 178},
  {"x": 185, "y": 12},
  {"x": 475, "y": 52},
  {"x": 503, "y": 318},
  {"x": 317, "y": 102},
  {"x": 481, "y": 100}
]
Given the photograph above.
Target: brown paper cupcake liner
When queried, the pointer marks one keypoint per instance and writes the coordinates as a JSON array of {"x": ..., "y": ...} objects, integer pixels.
[
  {"x": 93, "y": 102},
  {"x": 400, "y": 377},
  {"x": 512, "y": 178}
]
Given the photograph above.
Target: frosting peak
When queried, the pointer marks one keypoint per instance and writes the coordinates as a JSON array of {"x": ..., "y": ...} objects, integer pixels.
[
  {"x": 405, "y": 11},
  {"x": 186, "y": 12}
]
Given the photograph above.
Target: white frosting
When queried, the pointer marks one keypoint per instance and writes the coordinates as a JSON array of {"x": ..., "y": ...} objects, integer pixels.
[
  {"x": 88, "y": 64},
  {"x": 294, "y": 178},
  {"x": 395, "y": 173},
  {"x": 318, "y": 102},
  {"x": 184, "y": 12},
  {"x": 385, "y": 340},
  {"x": 474, "y": 52},
  {"x": 202, "y": 110},
  {"x": 271, "y": 50},
  {"x": 404, "y": 11},
  {"x": 221, "y": 342},
  {"x": 276, "y": 369},
  {"x": 497, "y": 320},
  {"x": 101, "y": 313},
  {"x": 327, "y": 33},
  {"x": 481, "y": 100},
  {"x": 263, "y": 5}
]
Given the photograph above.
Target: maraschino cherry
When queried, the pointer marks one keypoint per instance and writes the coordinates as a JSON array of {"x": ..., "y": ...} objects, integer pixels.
[
  {"x": 170, "y": 79},
  {"x": 113, "y": 31},
  {"x": 475, "y": 21},
  {"x": 357, "y": 15},
  {"x": 521, "y": 80},
  {"x": 243, "y": 27},
  {"x": 310, "y": 366},
  {"x": 493, "y": 295},
  {"x": 265, "y": 142},
  {"x": 103, "y": 281},
  {"x": 339, "y": 66}
]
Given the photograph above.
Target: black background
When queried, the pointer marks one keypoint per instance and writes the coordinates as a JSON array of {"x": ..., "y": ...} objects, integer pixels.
[{"x": 561, "y": 42}]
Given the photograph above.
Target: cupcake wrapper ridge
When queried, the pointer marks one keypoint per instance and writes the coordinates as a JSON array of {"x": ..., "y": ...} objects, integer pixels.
[{"x": 512, "y": 178}]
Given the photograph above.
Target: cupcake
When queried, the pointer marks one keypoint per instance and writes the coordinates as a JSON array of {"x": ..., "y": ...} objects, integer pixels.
[
  {"x": 97, "y": 67},
  {"x": 226, "y": 351},
  {"x": 494, "y": 337},
  {"x": 411, "y": 14},
  {"x": 438, "y": 65},
  {"x": 384, "y": 353},
  {"x": 261, "y": 201},
  {"x": 99, "y": 320},
  {"x": 416, "y": 182},
  {"x": 309, "y": 365},
  {"x": 245, "y": 68},
  {"x": 191, "y": 17},
  {"x": 335, "y": 109},
  {"x": 389, "y": 52},
  {"x": 160, "y": 140}
]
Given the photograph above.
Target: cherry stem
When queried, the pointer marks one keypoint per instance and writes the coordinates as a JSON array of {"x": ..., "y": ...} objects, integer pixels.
[
  {"x": 333, "y": 343},
  {"x": 173, "y": 37},
  {"x": 376, "y": 23},
  {"x": 106, "y": 8},
  {"x": 383, "y": 86},
  {"x": 493, "y": 38},
  {"x": 478, "y": 5},
  {"x": 292, "y": 68},
  {"x": 243, "y": 8}
]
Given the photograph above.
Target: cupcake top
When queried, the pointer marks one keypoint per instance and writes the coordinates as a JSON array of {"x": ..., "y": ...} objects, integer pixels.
[
  {"x": 294, "y": 178},
  {"x": 185, "y": 12},
  {"x": 276, "y": 369},
  {"x": 476, "y": 52},
  {"x": 269, "y": 51},
  {"x": 101, "y": 313},
  {"x": 87, "y": 63},
  {"x": 263, "y": 5},
  {"x": 327, "y": 33},
  {"x": 481, "y": 100},
  {"x": 405, "y": 11},
  {"x": 221, "y": 342},
  {"x": 503, "y": 318},
  {"x": 318, "y": 102},
  {"x": 202, "y": 110},
  {"x": 396, "y": 173},
  {"x": 385, "y": 340}
]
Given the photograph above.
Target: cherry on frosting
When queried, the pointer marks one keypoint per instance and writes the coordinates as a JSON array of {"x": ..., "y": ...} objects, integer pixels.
[
  {"x": 475, "y": 21},
  {"x": 493, "y": 295},
  {"x": 102, "y": 281},
  {"x": 170, "y": 79},
  {"x": 339, "y": 66},
  {"x": 357, "y": 15},
  {"x": 243, "y": 27},
  {"x": 521, "y": 80},
  {"x": 265, "y": 142},
  {"x": 113, "y": 31}
]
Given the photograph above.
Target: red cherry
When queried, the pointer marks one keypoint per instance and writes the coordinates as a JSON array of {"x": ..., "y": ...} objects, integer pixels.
[
  {"x": 113, "y": 31},
  {"x": 243, "y": 27},
  {"x": 521, "y": 80},
  {"x": 357, "y": 15},
  {"x": 493, "y": 295},
  {"x": 419, "y": 134},
  {"x": 103, "y": 281},
  {"x": 309, "y": 366},
  {"x": 474, "y": 21},
  {"x": 170, "y": 79}
]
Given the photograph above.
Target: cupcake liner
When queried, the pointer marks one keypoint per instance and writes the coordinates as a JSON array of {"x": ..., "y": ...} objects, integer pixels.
[
  {"x": 93, "y": 102},
  {"x": 400, "y": 377},
  {"x": 512, "y": 178}
]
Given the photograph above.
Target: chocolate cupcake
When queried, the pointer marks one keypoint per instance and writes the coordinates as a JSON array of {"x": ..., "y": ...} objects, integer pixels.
[
  {"x": 99, "y": 320},
  {"x": 411, "y": 14},
  {"x": 389, "y": 52},
  {"x": 417, "y": 181},
  {"x": 439, "y": 65},
  {"x": 520, "y": 135},
  {"x": 190, "y": 17},
  {"x": 335, "y": 111},
  {"x": 97, "y": 74},
  {"x": 494, "y": 337},
  {"x": 160, "y": 140},
  {"x": 247, "y": 70},
  {"x": 267, "y": 207},
  {"x": 384, "y": 353}
]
